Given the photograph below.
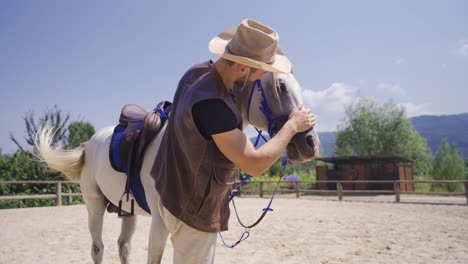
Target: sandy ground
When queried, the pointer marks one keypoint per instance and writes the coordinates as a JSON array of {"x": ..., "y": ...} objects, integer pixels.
[{"x": 305, "y": 230}]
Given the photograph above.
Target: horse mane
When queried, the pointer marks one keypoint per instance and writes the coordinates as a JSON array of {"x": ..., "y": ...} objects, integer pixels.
[{"x": 276, "y": 85}]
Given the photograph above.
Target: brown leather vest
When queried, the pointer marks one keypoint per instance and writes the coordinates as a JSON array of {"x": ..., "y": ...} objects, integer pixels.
[{"x": 190, "y": 172}]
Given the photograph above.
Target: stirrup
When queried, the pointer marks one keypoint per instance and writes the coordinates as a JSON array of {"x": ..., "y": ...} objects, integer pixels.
[{"x": 122, "y": 213}]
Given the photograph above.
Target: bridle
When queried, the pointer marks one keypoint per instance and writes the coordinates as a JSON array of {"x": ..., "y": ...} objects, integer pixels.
[{"x": 273, "y": 128}]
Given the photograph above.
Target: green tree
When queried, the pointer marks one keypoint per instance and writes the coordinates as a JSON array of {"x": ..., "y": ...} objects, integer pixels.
[
  {"x": 439, "y": 168},
  {"x": 448, "y": 164},
  {"x": 79, "y": 132},
  {"x": 466, "y": 169},
  {"x": 275, "y": 169},
  {"x": 371, "y": 129},
  {"x": 23, "y": 165},
  {"x": 457, "y": 170},
  {"x": 69, "y": 136},
  {"x": 53, "y": 118}
]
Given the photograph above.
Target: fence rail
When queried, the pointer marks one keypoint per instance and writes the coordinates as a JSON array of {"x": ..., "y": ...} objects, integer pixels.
[
  {"x": 261, "y": 190},
  {"x": 57, "y": 196},
  {"x": 340, "y": 192}
]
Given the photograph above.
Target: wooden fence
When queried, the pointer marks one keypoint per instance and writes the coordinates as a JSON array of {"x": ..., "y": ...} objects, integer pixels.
[
  {"x": 340, "y": 192},
  {"x": 57, "y": 196},
  {"x": 261, "y": 190}
]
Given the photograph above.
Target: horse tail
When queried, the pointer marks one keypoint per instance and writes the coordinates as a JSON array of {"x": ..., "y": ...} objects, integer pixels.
[{"x": 68, "y": 162}]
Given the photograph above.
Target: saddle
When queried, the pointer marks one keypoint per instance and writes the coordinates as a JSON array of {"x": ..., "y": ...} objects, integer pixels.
[{"x": 135, "y": 131}]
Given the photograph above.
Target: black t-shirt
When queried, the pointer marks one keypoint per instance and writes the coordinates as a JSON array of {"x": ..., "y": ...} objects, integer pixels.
[{"x": 213, "y": 116}]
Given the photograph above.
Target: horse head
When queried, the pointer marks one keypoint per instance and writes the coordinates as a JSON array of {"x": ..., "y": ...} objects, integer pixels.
[{"x": 267, "y": 108}]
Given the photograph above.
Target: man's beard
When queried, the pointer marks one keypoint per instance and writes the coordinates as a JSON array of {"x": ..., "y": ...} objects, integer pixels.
[{"x": 241, "y": 82}]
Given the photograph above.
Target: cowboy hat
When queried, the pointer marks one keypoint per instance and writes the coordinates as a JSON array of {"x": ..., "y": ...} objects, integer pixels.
[{"x": 252, "y": 44}]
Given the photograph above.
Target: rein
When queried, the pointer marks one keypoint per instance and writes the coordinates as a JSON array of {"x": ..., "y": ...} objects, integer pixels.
[{"x": 272, "y": 130}]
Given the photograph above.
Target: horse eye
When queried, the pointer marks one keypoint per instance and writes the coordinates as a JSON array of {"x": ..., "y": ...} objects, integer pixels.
[{"x": 282, "y": 87}]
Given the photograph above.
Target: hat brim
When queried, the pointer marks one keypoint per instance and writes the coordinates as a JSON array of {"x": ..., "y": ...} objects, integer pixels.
[{"x": 218, "y": 47}]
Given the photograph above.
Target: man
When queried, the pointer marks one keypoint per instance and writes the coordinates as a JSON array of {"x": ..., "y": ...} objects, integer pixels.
[{"x": 203, "y": 143}]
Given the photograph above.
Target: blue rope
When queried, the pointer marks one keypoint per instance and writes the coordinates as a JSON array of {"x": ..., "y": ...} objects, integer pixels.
[
  {"x": 161, "y": 111},
  {"x": 246, "y": 232},
  {"x": 284, "y": 163},
  {"x": 272, "y": 130}
]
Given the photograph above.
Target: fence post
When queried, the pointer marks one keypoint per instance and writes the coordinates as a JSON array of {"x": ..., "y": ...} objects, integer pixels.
[
  {"x": 296, "y": 186},
  {"x": 466, "y": 192},
  {"x": 339, "y": 188},
  {"x": 70, "y": 198},
  {"x": 58, "y": 192},
  {"x": 396, "y": 189},
  {"x": 261, "y": 189}
]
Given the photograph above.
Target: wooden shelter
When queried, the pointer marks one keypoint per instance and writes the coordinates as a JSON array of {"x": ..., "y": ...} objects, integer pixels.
[{"x": 365, "y": 168}]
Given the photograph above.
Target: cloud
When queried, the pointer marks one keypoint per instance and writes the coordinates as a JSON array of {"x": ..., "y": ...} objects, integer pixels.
[
  {"x": 393, "y": 88},
  {"x": 328, "y": 105},
  {"x": 462, "y": 48},
  {"x": 412, "y": 109},
  {"x": 331, "y": 99}
]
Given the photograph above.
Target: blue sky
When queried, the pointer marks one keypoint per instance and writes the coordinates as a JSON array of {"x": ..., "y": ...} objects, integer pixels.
[{"x": 92, "y": 57}]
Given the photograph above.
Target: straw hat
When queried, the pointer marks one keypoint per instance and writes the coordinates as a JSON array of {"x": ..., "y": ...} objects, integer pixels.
[{"x": 252, "y": 44}]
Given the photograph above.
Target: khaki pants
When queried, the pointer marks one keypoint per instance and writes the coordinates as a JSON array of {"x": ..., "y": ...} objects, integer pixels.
[{"x": 190, "y": 245}]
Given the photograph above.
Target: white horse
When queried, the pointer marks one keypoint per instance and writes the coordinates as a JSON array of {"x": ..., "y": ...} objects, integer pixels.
[{"x": 102, "y": 186}]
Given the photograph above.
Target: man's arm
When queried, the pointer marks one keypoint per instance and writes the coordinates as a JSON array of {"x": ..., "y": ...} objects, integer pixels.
[{"x": 237, "y": 148}]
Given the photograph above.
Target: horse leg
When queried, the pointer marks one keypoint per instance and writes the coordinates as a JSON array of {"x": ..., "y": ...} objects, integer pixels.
[
  {"x": 158, "y": 231},
  {"x": 126, "y": 233},
  {"x": 96, "y": 208},
  {"x": 96, "y": 204},
  {"x": 157, "y": 239}
]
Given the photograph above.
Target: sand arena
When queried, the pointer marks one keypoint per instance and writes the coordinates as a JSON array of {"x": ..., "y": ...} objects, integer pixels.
[{"x": 305, "y": 230}]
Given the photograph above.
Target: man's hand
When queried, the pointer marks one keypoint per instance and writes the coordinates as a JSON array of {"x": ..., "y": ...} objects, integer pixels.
[
  {"x": 301, "y": 119},
  {"x": 237, "y": 148}
]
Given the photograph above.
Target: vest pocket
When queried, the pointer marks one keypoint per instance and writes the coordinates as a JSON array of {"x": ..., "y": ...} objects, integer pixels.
[{"x": 215, "y": 192}]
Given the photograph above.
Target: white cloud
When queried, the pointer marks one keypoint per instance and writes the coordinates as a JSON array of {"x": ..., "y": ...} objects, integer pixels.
[
  {"x": 328, "y": 105},
  {"x": 393, "y": 88},
  {"x": 412, "y": 109},
  {"x": 462, "y": 48},
  {"x": 331, "y": 99}
]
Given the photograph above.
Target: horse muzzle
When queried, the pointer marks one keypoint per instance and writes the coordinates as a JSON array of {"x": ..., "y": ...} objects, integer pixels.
[{"x": 304, "y": 147}]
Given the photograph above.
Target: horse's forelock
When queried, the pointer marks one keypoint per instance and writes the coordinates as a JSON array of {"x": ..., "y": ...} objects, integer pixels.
[
  {"x": 291, "y": 84},
  {"x": 276, "y": 85}
]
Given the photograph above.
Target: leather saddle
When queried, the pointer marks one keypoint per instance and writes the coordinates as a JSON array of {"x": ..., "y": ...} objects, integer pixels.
[{"x": 135, "y": 131}]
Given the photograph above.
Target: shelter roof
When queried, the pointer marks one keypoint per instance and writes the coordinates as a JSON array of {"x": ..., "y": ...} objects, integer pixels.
[{"x": 365, "y": 159}]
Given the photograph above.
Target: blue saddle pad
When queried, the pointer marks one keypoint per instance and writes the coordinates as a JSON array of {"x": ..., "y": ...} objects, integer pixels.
[{"x": 136, "y": 186}]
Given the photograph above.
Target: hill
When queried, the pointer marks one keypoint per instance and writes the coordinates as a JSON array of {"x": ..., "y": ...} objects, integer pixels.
[
  {"x": 432, "y": 128},
  {"x": 452, "y": 127}
]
